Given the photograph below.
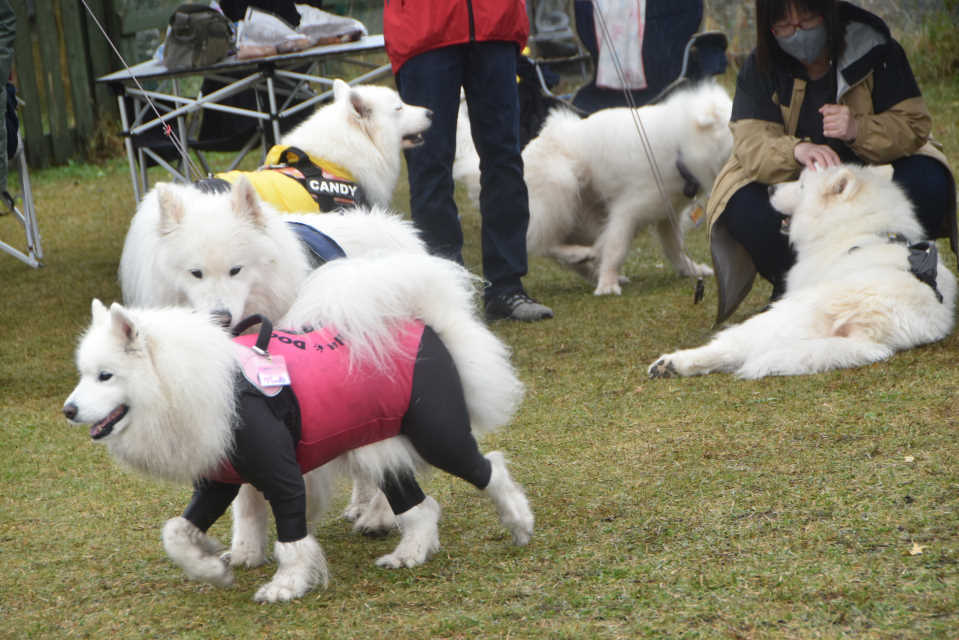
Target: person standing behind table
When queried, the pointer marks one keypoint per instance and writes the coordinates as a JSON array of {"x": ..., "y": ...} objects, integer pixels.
[
  {"x": 435, "y": 48},
  {"x": 826, "y": 84}
]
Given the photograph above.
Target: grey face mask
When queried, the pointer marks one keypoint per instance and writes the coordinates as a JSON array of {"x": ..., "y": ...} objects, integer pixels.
[{"x": 806, "y": 45}]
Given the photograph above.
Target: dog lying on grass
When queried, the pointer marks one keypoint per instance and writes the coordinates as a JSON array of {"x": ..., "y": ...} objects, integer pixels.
[{"x": 865, "y": 284}]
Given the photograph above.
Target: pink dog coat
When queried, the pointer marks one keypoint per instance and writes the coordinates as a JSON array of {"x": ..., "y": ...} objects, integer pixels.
[{"x": 340, "y": 408}]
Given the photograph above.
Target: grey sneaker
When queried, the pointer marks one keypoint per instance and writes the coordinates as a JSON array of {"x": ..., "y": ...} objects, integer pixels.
[{"x": 516, "y": 306}]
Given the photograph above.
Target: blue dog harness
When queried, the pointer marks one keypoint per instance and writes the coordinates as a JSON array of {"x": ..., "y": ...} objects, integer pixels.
[{"x": 322, "y": 247}]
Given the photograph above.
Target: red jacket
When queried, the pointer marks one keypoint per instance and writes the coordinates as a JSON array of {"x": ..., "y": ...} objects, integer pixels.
[{"x": 412, "y": 27}]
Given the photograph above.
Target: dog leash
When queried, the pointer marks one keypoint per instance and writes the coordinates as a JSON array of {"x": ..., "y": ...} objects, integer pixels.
[
  {"x": 644, "y": 138},
  {"x": 192, "y": 169}
]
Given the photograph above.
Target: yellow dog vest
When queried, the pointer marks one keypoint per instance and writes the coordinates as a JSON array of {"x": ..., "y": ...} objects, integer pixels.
[{"x": 294, "y": 181}]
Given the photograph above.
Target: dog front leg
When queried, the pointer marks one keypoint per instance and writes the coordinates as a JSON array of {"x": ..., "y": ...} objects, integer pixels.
[
  {"x": 301, "y": 566},
  {"x": 613, "y": 246},
  {"x": 195, "y": 552},
  {"x": 420, "y": 536},
  {"x": 248, "y": 547}
]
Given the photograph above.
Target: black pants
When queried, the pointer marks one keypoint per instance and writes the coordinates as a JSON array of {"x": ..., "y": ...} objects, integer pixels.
[{"x": 437, "y": 424}]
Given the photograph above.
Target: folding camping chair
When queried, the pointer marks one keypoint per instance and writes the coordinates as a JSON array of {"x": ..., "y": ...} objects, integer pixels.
[{"x": 25, "y": 213}]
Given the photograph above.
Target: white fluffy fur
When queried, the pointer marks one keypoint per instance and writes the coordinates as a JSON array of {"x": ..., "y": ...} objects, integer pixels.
[
  {"x": 592, "y": 189},
  {"x": 247, "y": 258},
  {"x": 850, "y": 299},
  {"x": 301, "y": 566},
  {"x": 130, "y": 347},
  {"x": 177, "y": 230},
  {"x": 363, "y": 130},
  {"x": 175, "y": 371},
  {"x": 195, "y": 552}
]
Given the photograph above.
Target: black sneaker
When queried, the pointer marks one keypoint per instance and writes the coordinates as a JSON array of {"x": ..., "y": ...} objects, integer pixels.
[{"x": 516, "y": 306}]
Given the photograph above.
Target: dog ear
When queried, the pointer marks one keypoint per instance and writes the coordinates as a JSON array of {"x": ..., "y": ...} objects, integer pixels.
[
  {"x": 246, "y": 202},
  {"x": 843, "y": 183},
  {"x": 123, "y": 325},
  {"x": 97, "y": 310},
  {"x": 171, "y": 208},
  {"x": 881, "y": 170},
  {"x": 341, "y": 90}
]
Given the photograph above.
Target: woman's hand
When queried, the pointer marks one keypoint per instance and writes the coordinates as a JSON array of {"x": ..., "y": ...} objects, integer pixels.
[
  {"x": 837, "y": 122},
  {"x": 809, "y": 154}
]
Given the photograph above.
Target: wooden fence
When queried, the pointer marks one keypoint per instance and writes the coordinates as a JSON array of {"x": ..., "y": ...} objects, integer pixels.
[{"x": 59, "y": 53}]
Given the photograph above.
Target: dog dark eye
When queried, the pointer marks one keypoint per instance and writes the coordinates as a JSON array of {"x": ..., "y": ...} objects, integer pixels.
[
  {"x": 104, "y": 376},
  {"x": 235, "y": 270},
  {"x": 399, "y": 108},
  {"x": 196, "y": 273}
]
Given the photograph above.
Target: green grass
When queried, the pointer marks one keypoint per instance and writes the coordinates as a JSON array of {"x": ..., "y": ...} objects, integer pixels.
[{"x": 699, "y": 508}]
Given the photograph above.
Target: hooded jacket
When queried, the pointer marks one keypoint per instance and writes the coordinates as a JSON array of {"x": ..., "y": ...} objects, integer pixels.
[
  {"x": 874, "y": 80},
  {"x": 412, "y": 27}
]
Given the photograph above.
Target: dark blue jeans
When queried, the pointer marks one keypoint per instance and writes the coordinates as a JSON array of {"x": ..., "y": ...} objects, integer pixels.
[
  {"x": 755, "y": 224},
  {"x": 487, "y": 73}
]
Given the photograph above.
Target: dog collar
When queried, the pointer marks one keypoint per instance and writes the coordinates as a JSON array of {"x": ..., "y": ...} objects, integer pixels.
[{"x": 691, "y": 185}]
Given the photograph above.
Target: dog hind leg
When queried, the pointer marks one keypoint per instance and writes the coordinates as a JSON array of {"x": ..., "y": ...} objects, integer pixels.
[
  {"x": 420, "y": 538},
  {"x": 814, "y": 356},
  {"x": 509, "y": 499},
  {"x": 612, "y": 247},
  {"x": 670, "y": 233}
]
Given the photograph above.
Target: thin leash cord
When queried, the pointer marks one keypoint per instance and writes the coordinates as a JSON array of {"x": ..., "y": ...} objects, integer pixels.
[
  {"x": 637, "y": 121},
  {"x": 644, "y": 138},
  {"x": 167, "y": 129}
]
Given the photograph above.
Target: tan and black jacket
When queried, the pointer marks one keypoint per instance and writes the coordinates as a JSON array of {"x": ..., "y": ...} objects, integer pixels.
[{"x": 874, "y": 80}]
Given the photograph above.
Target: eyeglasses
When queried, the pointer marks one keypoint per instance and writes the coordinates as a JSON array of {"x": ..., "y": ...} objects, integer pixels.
[{"x": 786, "y": 29}]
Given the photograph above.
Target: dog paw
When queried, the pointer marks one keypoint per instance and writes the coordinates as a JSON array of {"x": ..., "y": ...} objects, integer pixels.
[
  {"x": 302, "y": 566},
  {"x": 377, "y": 518},
  {"x": 420, "y": 536},
  {"x": 663, "y": 368},
  {"x": 608, "y": 288},
  {"x": 281, "y": 590},
  {"x": 245, "y": 555},
  {"x": 210, "y": 569}
]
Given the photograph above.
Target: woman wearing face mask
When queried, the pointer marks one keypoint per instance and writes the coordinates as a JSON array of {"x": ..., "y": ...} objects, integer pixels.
[{"x": 825, "y": 85}]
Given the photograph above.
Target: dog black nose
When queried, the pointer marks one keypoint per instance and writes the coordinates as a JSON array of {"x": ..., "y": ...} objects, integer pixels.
[
  {"x": 429, "y": 114},
  {"x": 222, "y": 316},
  {"x": 70, "y": 410}
]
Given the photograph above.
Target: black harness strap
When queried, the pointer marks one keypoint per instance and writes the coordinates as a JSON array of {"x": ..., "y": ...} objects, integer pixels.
[{"x": 330, "y": 194}]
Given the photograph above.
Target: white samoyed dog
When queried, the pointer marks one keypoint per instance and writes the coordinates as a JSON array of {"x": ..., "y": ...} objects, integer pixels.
[
  {"x": 863, "y": 287},
  {"x": 185, "y": 248},
  {"x": 592, "y": 188},
  {"x": 163, "y": 391},
  {"x": 232, "y": 254}
]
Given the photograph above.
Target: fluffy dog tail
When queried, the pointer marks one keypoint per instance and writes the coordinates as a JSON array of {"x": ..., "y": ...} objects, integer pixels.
[
  {"x": 554, "y": 178},
  {"x": 368, "y": 298}
]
